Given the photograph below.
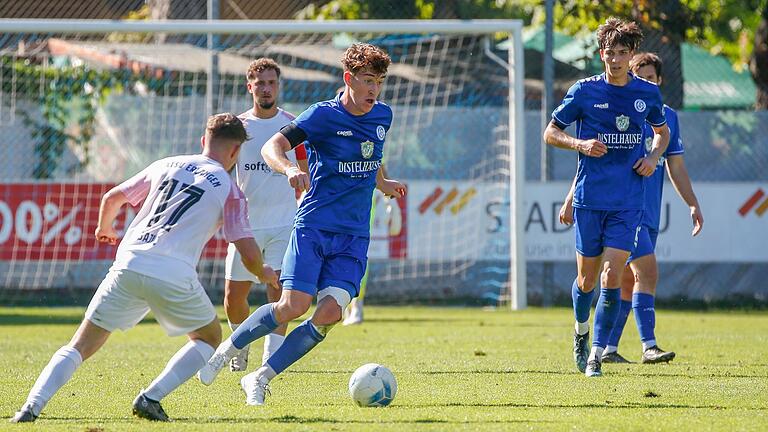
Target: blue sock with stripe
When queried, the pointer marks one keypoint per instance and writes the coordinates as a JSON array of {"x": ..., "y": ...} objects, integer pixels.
[
  {"x": 645, "y": 316},
  {"x": 296, "y": 345},
  {"x": 621, "y": 321},
  {"x": 582, "y": 303},
  {"x": 606, "y": 314},
  {"x": 261, "y": 323}
]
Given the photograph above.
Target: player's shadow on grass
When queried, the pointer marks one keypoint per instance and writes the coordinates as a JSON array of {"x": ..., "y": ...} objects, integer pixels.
[
  {"x": 290, "y": 419},
  {"x": 39, "y": 319},
  {"x": 406, "y": 320},
  {"x": 607, "y": 404}
]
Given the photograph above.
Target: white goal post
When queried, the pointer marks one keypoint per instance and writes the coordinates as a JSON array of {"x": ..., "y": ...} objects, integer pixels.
[{"x": 443, "y": 86}]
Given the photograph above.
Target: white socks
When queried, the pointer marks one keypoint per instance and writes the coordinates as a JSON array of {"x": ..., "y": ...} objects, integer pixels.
[
  {"x": 272, "y": 342},
  {"x": 56, "y": 373},
  {"x": 265, "y": 374},
  {"x": 181, "y": 367},
  {"x": 596, "y": 354},
  {"x": 582, "y": 328},
  {"x": 649, "y": 344},
  {"x": 611, "y": 349}
]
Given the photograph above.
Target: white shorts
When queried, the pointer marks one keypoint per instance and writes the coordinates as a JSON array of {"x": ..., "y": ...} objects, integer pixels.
[
  {"x": 124, "y": 297},
  {"x": 272, "y": 241}
]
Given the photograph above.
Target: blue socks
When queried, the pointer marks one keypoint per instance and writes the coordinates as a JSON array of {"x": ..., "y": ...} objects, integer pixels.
[
  {"x": 624, "y": 309},
  {"x": 298, "y": 343},
  {"x": 582, "y": 302},
  {"x": 606, "y": 315},
  {"x": 645, "y": 316},
  {"x": 261, "y": 323}
]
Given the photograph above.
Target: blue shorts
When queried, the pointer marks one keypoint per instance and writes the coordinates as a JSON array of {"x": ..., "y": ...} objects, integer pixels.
[
  {"x": 598, "y": 229},
  {"x": 317, "y": 259},
  {"x": 646, "y": 243}
]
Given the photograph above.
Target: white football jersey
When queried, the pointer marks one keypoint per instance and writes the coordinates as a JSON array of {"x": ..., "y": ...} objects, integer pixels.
[
  {"x": 187, "y": 198},
  {"x": 271, "y": 200}
]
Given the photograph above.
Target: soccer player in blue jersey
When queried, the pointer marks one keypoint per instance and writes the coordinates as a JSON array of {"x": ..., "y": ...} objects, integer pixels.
[
  {"x": 610, "y": 110},
  {"x": 638, "y": 287},
  {"x": 327, "y": 252}
]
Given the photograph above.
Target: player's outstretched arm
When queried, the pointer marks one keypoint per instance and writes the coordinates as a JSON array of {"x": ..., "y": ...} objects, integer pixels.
[
  {"x": 274, "y": 152},
  {"x": 250, "y": 254},
  {"x": 557, "y": 137},
  {"x": 566, "y": 211},
  {"x": 647, "y": 165},
  {"x": 110, "y": 206},
  {"x": 678, "y": 174}
]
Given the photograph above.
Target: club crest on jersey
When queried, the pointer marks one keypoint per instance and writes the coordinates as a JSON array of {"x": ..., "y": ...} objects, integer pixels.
[
  {"x": 380, "y": 132},
  {"x": 622, "y": 123},
  {"x": 366, "y": 148},
  {"x": 639, "y": 105}
]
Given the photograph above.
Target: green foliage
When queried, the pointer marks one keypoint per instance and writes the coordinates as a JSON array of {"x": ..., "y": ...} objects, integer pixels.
[
  {"x": 68, "y": 98},
  {"x": 420, "y": 9},
  {"x": 722, "y": 26},
  {"x": 141, "y": 14}
]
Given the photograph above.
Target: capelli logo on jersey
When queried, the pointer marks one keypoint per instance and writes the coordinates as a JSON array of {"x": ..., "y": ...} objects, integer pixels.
[
  {"x": 346, "y": 133},
  {"x": 639, "y": 105},
  {"x": 757, "y": 202},
  {"x": 454, "y": 200}
]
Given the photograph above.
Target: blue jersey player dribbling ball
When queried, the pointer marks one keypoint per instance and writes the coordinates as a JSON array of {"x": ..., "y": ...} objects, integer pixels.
[
  {"x": 327, "y": 252},
  {"x": 609, "y": 110}
]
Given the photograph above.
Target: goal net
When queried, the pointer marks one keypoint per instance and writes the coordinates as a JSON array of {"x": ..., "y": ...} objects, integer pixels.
[{"x": 85, "y": 105}]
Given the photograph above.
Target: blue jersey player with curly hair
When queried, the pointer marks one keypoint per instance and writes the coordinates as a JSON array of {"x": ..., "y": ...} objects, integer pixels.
[{"x": 327, "y": 253}]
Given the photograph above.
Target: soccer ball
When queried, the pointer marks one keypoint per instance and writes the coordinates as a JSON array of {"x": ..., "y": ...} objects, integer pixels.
[{"x": 372, "y": 385}]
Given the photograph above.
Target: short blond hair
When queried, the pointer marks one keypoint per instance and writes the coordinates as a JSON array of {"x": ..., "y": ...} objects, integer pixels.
[{"x": 225, "y": 126}]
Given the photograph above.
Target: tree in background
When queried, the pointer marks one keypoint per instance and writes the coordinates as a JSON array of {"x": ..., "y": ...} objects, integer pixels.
[{"x": 759, "y": 62}]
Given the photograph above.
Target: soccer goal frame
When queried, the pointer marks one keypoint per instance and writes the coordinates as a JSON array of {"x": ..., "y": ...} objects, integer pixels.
[{"x": 513, "y": 64}]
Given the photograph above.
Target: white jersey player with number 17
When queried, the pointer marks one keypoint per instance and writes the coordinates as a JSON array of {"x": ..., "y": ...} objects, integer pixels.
[
  {"x": 271, "y": 201},
  {"x": 184, "y": 200}
]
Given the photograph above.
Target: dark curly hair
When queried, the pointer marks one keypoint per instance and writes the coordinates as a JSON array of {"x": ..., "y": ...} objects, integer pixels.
[
  {"x": 365, "y": 56},
  {"x": 618, "y": 32}
]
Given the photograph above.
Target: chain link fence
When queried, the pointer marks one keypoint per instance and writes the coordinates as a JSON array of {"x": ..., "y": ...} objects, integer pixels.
[{"x": 93, "y": 109}]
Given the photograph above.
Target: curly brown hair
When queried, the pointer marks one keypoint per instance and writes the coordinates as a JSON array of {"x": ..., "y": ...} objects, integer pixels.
[
  {"x": 365, "y": 56},
  {"x": 645, "y": 59},
  {"x": 260, "y": 65},
  {"x": 619, "y": 32},
  {"x": 226, "y": 126}
]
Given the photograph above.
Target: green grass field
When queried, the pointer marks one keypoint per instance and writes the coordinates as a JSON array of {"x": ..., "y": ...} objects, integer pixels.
[{"x": 457, "y": 369}]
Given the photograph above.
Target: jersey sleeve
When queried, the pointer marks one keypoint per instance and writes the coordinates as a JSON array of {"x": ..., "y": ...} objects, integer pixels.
[
  {"x": 570, "y": 108},
  {"x": 675, "y": 141},
  {"x": 312, "y": 122},
  {"x": 137, "y": 187},
  {"x": 235, "y": 218},
  {"x": 655, "y": 109}
]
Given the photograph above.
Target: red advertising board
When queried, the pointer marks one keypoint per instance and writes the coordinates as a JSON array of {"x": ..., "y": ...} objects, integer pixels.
[{"x": 57, "y": 221}]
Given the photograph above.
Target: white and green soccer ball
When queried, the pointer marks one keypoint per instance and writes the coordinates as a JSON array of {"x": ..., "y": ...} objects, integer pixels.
[{"x": 372, "y": 385}]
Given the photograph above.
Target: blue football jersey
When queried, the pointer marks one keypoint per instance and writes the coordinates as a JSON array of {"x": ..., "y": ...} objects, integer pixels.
[
  {"x": 654, "y": 185},
  {"x": 344, "y": 153},
  {"x": 615, "y": 116}
]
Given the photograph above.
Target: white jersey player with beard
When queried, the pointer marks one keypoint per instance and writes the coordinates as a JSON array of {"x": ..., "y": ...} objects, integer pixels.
[{"x": 271, "y": 201}]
